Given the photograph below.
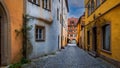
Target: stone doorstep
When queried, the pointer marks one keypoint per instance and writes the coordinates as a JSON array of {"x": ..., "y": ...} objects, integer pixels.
[{"x": 92, "y": 54}]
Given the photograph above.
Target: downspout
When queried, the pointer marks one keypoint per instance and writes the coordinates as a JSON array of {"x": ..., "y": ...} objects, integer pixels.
[
  {"x": 62, "y": 28},
  {"x": 24, "y": 52}
]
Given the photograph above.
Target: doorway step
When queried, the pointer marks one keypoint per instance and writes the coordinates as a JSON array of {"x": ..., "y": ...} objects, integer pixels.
[{"x": 93, "y": 53}]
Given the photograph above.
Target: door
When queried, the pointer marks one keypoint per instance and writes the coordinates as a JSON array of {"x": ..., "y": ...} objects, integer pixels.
[{"x": 94, "y": 39}]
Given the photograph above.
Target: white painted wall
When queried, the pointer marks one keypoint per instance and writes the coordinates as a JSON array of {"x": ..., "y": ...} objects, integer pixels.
[{"x": 51, "y": 30}]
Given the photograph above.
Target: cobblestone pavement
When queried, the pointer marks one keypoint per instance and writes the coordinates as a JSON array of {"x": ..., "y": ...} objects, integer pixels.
[{"x": 70, "y": 57}]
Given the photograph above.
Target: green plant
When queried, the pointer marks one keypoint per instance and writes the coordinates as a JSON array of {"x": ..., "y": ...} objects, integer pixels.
[
  {"x": 24, "y": 32},
  {"x": 19, "y": 64},
  {"x": 24, "y": 61}
]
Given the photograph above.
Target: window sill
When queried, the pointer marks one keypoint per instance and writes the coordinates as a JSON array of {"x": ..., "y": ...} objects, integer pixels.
[
  {"x": 108, "y": 52},
  {"x": 34, "y": 3},
  {"x": 47, "y": 9}
]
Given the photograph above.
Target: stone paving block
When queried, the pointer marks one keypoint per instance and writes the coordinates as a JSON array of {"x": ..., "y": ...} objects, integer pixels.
[{"x": 71, "y": 57}]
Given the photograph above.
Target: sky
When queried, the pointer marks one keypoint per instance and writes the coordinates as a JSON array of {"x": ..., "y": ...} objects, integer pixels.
[{"x": 76, "y": 8}]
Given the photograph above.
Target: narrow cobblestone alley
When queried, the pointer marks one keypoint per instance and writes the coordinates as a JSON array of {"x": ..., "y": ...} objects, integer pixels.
[{"x": 70, "y": 57}]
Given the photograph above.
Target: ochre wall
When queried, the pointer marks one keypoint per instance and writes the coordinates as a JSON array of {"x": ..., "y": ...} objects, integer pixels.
[
  {"x": 115, "y": 33},
  {"x": 113, "y": 17},
  {"x": 78, "y": 33},
  {"x": 15, "y": 10},
  {"x": 64, "y": 41}
]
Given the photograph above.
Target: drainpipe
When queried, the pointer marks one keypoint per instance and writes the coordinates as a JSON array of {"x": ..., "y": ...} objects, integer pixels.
[
  {"x": 62, "y": 27},
  {"x": 24, "y": 52}
]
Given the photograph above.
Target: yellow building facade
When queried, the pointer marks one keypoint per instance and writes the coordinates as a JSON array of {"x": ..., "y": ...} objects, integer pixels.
[
  {"x": 11, "y": 18},
  {"x": 78, "y": 32},
  {"x": 102, "y": 29}
]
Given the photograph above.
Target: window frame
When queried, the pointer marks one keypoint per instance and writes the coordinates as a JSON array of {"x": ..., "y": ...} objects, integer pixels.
[
  {"x": 89, "y": 9},
  {"x": 98, "y": 4},
  {"x": 39, "y": 27},
  {"x": 92, "y": 5},
  {"x": 90, "y": 12},
  {"x": 105, "y": 50},
  {"x": 46, "y": 4}
]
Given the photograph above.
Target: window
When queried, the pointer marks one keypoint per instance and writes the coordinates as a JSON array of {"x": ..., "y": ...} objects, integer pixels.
[
  {"x": 106, "y": 37},
  {"x": 92, "y": 6},
  {"x": 71, "y": 22},
  {"x": 57, "y": 14},
  {"x": 71, "y": 35},
  {"x": 61, "y": 18},
  {"x": 75, "y": 35},
  {"x": 98, "y": 2},
  {"x": 46, "y": 4},
  {"x": 36, "y": 2},
  {"x": 89, "y": 9},
  {"x": 70, "y": 30},
  {"x": 40, "y": 33}
]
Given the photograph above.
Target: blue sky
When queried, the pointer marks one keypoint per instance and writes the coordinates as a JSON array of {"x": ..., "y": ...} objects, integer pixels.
[{"x": 76, "y": 8}]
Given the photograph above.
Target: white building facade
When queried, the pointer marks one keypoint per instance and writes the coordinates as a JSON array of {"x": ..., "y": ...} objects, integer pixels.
[
  {"x": 45, "y": 34},
  {"x": 64, "y": 22}
]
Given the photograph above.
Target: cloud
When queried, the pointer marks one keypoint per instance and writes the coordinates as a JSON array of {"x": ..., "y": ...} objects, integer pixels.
[{"x": 76, "y": 8}]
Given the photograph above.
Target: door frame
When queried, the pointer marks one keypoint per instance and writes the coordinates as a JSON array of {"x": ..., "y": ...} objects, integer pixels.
[
  {"x": 0, "y": 40},
  {"x": 5, "y": 35}
]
